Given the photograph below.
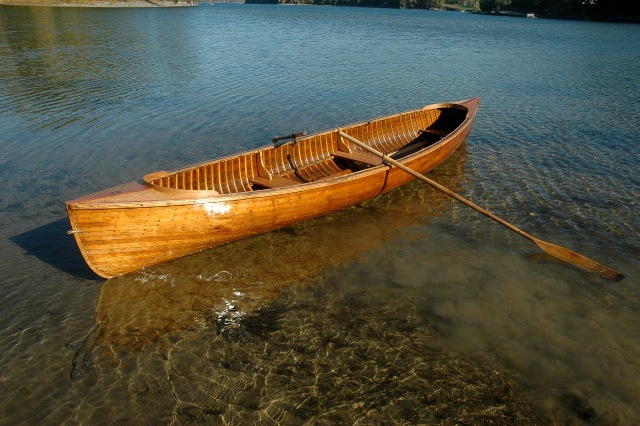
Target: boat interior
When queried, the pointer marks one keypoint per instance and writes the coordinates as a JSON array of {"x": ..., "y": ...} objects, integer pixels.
[{"x": 317, "y": 157}]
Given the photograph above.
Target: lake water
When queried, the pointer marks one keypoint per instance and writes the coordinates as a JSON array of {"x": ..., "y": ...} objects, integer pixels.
[{"x": 408, "y": 309}]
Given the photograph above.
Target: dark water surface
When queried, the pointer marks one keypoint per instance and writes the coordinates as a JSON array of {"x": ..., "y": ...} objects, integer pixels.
[{"x": 407, "y": 309}]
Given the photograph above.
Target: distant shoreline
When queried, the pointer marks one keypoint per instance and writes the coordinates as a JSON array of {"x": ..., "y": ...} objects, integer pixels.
[
  {"x": 116, "y": 4},
  {"x": 191, "y": 3}
]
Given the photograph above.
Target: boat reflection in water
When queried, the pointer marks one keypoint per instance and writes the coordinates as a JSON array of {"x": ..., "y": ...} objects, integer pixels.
[{"x": 217, "y": 288}]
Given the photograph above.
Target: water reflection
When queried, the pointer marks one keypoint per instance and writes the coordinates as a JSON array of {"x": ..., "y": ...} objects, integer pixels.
[
  {"x": 219, "y": 287},
  {"x": 55, "y": 76}
]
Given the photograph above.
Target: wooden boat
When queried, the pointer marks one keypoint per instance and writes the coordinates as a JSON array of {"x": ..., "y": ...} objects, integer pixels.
[{"x": 171, "y": 214}]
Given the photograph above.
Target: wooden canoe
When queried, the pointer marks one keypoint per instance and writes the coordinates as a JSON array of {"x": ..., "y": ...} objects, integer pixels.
[{"x": 171, "y": 214}]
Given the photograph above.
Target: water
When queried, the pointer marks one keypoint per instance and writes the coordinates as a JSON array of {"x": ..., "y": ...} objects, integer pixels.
[{"x": 407, "y": 309}]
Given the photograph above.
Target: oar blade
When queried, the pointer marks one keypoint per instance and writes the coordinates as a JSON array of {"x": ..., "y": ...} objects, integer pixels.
[{"x": 579, "y": 260}]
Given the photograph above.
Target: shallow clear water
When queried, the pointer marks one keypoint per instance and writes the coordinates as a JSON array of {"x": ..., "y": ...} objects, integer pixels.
[{"x": 409, "y": 308}]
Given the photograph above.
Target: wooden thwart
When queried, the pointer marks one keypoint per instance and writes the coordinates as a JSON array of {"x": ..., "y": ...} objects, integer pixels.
[{"x": 360, "y": 157}]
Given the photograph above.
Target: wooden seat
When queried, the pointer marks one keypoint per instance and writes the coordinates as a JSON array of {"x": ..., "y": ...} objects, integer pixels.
[
  {"x": 273, "y": 182},
  {"x": 360, "y": 157}
]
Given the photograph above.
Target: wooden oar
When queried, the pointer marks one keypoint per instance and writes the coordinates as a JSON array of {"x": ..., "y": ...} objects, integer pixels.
[{"x": 554, "y": 250}]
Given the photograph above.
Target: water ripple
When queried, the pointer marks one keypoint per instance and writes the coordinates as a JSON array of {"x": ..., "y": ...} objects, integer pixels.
[{"x": 93, "y": 98}]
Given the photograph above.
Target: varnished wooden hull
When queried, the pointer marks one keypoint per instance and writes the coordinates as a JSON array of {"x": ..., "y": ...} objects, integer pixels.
[{"x": 126, "y": 228}]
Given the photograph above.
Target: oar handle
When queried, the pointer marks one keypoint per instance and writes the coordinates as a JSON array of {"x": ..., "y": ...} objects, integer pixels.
[{"x": 291, "y": 136}]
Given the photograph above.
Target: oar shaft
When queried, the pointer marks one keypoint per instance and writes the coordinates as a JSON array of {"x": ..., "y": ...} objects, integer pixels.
[{"x": 435, "y": 184}]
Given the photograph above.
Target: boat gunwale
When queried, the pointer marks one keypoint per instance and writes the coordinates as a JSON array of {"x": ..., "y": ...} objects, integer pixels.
[
  {"x": 455, "y": 105},
  {"x": 195, "y": 197}
]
